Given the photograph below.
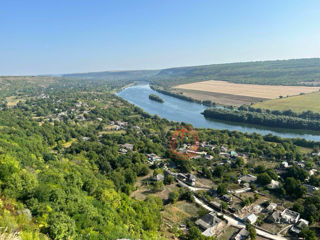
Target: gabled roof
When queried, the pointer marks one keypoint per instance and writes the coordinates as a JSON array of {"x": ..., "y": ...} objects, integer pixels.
[
  {"x": 248, "y": 178},
  {"x": 209, "y": 220},
  {"x": 242, "y": 234},
  {"x": 252, "y": 218},
  {"x": 272, "y": 206},
  {"x": 302, "y": 223}
]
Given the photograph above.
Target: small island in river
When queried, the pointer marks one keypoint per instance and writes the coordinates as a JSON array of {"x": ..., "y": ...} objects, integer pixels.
[{"x": 155, "y": 98}]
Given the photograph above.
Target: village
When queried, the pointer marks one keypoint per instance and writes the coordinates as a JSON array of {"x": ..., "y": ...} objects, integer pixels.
[
  {"x": 247, "y": 200},
  {"x": 235, "y": 207},
  {"x": 239, "y": 205}
]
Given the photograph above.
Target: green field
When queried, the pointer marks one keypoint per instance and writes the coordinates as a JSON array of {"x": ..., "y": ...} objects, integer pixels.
[{"x": 297, "y": 104}]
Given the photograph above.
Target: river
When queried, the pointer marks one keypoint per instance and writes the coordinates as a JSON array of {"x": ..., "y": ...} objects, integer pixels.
[{"x": 175, "y": 109}]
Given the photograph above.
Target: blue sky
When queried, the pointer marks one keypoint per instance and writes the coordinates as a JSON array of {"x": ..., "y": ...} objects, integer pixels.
[{"x": 66, "y": 36}]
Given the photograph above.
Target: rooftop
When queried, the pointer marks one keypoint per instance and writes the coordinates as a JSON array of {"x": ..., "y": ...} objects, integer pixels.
[
  {"x": 209, "y": 220},
  {"x": 248, "y": 178}
]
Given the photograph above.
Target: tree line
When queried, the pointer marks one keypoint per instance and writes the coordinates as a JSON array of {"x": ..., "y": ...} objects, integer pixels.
[{"x": 264, "y": 119}]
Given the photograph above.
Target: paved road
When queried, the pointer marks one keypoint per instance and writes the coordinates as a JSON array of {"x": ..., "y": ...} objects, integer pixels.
[{"x": 194, "y": 189}]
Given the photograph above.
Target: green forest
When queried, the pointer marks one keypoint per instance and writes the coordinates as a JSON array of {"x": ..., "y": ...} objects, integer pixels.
[{"x": 288, "y": 119}]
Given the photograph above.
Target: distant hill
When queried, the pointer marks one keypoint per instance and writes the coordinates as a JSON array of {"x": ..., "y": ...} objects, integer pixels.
[
  {"x": 139, "y": 75},
  {"x": 279, "y": 72}
]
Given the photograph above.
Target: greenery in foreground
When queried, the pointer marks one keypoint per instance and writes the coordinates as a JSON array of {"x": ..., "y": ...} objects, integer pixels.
[{"x": 76, "y": 192}]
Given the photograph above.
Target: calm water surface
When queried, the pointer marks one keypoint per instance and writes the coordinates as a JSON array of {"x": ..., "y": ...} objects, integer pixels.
[{"x": 175, "y": 109}]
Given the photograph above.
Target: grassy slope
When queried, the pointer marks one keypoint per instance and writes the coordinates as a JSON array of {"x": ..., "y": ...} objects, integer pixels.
[{"x": 297, "y": 104}]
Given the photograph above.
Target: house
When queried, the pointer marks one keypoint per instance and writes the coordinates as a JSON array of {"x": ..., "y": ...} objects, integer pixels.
[
  {"x": 233, "y": 154},
  {"x": 121, "y": 124},
  {"x": 191, "y": 179},
  {"x": 313, "y": 171},
  {"x": 251, "y": 218},
  {"x": 241, "y": 235},
  {"x": 273, "y": 185},
  {"x": 257, "y": 209},
  {"x": 298, "y": 227},
  {"x": 242, "y": 190},
  {"x": 290, "y": 216},
  {"x": 223, "y": 149},
  {"x": 311, "y": 189},
  {"x": 158, "y": 177},
  {"x": 123, "y": 151},
  {"x": 215, "y": 204},
  {"x": 275, "y": 217},
  {"x": 284, "y": 164},
  {"x": 226, "y": 198},
  {"x": 182, "y": 176},
  {"x": 271, "y": 207},
  {"x": 153, "y": 157},
  {"x": 248, "y": 178},
  {"x": 128, "y": 146},
  {"x": 209, "y": 223},
  {"x": 205, "y": 145},
  {"x": 197, "y": 153}
]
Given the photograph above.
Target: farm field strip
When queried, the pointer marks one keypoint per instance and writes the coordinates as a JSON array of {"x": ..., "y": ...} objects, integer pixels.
[
  {"x": 249, "y": 90},
  {"x": 220, "y": 98}
]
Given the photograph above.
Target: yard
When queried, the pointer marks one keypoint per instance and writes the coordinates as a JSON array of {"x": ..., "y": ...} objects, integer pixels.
[
  {"x": 227, "y": 233},
  {"x": 179, "y": 212}
]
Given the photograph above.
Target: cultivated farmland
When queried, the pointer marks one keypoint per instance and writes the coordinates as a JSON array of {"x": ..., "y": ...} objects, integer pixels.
[{"x": 238, "y": 94}]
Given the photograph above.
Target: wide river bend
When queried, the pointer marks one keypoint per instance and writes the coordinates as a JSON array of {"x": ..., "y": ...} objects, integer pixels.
[{"x": 175, "y": 109}]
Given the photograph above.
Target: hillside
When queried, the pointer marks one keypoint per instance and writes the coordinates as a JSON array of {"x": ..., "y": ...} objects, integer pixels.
[
  {"x": 281, "y": 72},
  {"x": 115, "y": 75},
  {"x": 61, "y": 173}
]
